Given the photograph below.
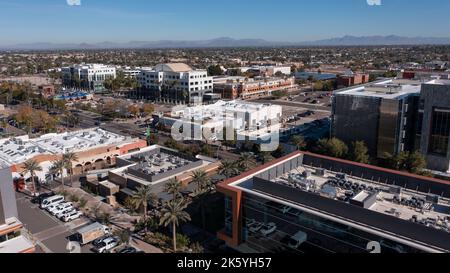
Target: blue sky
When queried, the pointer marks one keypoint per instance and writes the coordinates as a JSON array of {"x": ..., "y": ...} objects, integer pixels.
[{"x": 24, "y": 21}]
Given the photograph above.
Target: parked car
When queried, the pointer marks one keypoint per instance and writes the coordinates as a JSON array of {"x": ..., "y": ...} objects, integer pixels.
[
  {"x": 70, "y": 216},
  {"x": 250, "y": 222},
  {"x": 51, "y": 201},
  {"x": 62, "y": 208},
  {"x": 284, "y": 209},
  {"x": 299, "y": 238},
  {"x": 100, "y": 240},
  {"x": 106, "y": 245},
  {"x": 59, "y": 215},
  {"x": 128, "y": 250},
  {"x": 41, "y": 197},
  {"x": 268, "y": 229},
  {"x": 255, "y": 227}
]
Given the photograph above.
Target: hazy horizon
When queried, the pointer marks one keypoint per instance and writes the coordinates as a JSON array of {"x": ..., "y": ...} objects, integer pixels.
[{"x": 120, "y": 21}]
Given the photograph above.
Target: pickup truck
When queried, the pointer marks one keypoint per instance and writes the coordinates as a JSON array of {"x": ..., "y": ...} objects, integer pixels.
[{"x": 91, "y": 232}]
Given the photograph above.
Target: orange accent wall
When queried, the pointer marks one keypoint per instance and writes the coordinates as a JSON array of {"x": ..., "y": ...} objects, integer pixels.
[{"x": 236, "y": 197}]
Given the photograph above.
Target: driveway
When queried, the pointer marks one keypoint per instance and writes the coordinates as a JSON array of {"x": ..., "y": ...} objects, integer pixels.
[{"x": 49, "y": 234}]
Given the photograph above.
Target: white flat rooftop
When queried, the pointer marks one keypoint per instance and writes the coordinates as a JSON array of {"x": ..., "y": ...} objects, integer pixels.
[
  {"x": 20, "y": 149},
  {"x": 385, "y": 91},
  {"x": 16, "y": 245}
]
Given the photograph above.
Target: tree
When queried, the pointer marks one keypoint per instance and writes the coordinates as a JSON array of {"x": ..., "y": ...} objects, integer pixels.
[
  {"x": 68, "y": 159},
  {"x": 31, "y": 166},
  {"x": 245, "y": 160},
  {"x": 359, "y": 152},
  {"x": 332, "y": 147},
  {"x": 279, "y": 152},
  {"x": 148, "y": 108},
  {"x": 265, "y": 157},
  {"x": 201, "y": 179},
  {"x": 207, "y": 150},
  {"x": 134, "y": 110},
  {"x": 299, "y": 142},
  {"x": 174, "y": 187},
  {"x": 215, "y": 70},
  {"x": 413, "y": 162},
  {"x": 25, "y": 116},
  {"x": 142, "y": 197},
  {"x": 172, "y": 214},
  {"x": 124, "y": 236},
  {"x": 104, "y": 218},
  {"x": 203, "y": 185},
  {"x": 57, "y": 168},
  {"x": 228, "y": 169}
]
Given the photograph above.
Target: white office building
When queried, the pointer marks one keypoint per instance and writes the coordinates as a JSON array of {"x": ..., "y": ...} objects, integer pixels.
[
  {"x": 88, "y": 76},
  {"x": 175, "y": 82}
]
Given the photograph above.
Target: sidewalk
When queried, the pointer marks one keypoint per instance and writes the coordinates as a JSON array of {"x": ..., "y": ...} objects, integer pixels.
[{"x": 147, "y": 248}]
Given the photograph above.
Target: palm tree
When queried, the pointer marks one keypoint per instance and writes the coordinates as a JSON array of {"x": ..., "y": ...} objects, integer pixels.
[
  {"x": 203, "y": 185},
  {"x": 124, "y": 236},
  {"x": 57, "y": 168},
  {"x": 201, "y": 179},
  {"x": 173, "y": 213},
  {"x": 173, "y": 187},
  {"x": 244, "y": 160},
  {"x": 228, "y": 169},
  {"x": 105, "y": 218},
  {"x": 31, "y": 166},
  {"x": 265, "y": 157},
  {"x": 68, "y": 160},
  {"x": 142, "y": 197}
]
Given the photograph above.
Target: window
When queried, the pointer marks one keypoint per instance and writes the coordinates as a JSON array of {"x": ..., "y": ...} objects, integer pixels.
[{"x": 440, "y": 130}]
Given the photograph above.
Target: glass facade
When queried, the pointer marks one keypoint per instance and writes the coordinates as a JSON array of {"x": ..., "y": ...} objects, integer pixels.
[
  {"x": 228, "y": 216},
  {"x": 440, "y": 130},
  {"x": 271, "y": 227},
  {"x": 356, "y": 119},
  {"x": 388, "y": 127}
]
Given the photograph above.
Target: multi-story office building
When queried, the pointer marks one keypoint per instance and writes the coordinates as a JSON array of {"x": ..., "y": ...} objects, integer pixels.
[
  {"x": 88, "y": 76},
  {"x": 382, "y": 114},
  {"x": 207, "y": 121},
  {"x": 307, "y": 203},
  {"x": 434, "y": 124},
  {"x": 391, "y": 116},
  {"x": 175, "y": 82},
  {"x": 11, "y": 238},
  {"x": 240, "y": 87}
]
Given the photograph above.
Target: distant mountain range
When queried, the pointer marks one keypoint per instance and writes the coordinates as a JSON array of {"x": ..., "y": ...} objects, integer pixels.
[{"x": 230, "y": 42}]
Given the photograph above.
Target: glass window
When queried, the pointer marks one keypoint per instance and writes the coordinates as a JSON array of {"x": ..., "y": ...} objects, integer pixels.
[{"x": 440, "y": 130}]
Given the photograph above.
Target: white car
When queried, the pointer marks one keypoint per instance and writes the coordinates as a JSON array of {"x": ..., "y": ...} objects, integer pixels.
[
  {"x": 63, "y": 211},
  {"x": 51, "y": 201},
  {"x": 59, "y": 215},
  {"x": 106, "y": 245},
  {"x": 268, "y": 229},
  {"x": 71, "y": 216},
  {"x": 61, "y": 207}
]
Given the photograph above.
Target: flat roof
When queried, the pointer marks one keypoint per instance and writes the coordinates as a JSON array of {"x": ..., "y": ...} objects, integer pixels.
[
  {"x": 386, "y": 89},
  {"x": 439, "y": 82},
  {"x": 160, "y": 163},
  {"x": 16, "y": 245},
  {"x": 19, "y": 149},
  {"x": 391, "y": 201}
]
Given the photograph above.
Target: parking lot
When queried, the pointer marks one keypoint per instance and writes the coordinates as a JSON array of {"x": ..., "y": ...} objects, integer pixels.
[{"x": 50, "y": 233}]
